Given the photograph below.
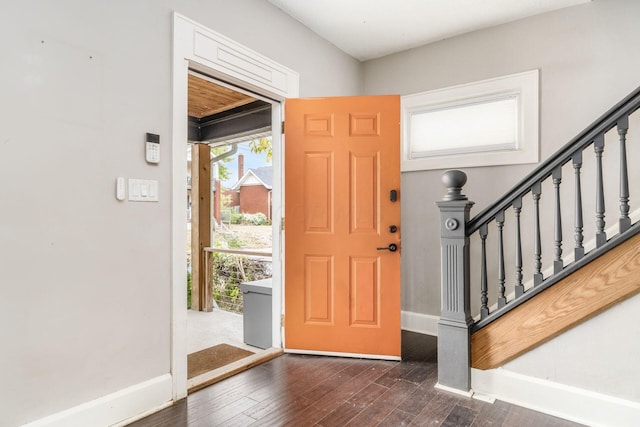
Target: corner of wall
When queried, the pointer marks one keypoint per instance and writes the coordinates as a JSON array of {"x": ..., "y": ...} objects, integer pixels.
[{"x": 420, "y": 323}]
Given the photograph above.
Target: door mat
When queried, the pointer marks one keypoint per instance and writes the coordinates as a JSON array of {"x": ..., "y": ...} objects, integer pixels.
[{"x": 212, "y": 358}]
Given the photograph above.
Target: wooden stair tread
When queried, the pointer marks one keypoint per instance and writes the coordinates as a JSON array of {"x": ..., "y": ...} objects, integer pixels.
[{"x": 605, "y": 281}]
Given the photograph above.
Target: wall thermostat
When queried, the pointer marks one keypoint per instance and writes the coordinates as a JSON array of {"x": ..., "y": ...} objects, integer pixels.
[{"x": 152, "y": 149}]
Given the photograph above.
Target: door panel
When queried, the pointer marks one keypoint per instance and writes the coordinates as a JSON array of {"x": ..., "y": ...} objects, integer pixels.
[{"x": 342, "y": 159}]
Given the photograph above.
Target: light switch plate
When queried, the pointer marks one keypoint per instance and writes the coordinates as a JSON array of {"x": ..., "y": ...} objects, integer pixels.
[
  {"x": 120, "y": 188},
  {"x": 143, "y": 190}
]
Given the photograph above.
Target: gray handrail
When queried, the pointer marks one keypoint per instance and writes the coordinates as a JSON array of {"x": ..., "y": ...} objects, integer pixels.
[{"x": 606, "y": 122}]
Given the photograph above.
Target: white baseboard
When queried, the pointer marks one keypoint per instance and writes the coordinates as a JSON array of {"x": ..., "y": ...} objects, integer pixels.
[
  {"x": 571, "y": 403},
  {"x": 115, "y": 408},
  {"x": 418, "y": 322}
]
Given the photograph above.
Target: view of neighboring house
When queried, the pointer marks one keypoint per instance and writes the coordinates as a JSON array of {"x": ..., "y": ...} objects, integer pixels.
[{"x": 252, "y": 193}]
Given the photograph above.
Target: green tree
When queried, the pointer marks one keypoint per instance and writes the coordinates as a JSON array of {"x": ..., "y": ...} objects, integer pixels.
[
  {"x": 225, "y": 202},
  {"x": 223, "y": 171},
  {"x": 262, "y": 145}
]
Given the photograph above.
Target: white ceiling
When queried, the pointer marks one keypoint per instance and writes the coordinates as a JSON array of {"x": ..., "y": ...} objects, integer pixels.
[{"x": 367, "y": 29}]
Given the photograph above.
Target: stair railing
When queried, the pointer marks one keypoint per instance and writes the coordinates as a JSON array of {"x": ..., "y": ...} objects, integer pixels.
[{"x": 456, "y": 322}]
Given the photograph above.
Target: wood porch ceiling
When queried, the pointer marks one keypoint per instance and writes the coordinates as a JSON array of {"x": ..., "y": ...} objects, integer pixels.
[{"x": 207, "y": 98}]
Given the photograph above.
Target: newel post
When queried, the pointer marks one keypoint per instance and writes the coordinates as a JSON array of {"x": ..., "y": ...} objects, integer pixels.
[{"x": 454, "y": 338}]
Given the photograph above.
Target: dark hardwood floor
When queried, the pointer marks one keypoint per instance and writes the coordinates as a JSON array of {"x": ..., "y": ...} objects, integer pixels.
[{"x": 300, "y": 390}]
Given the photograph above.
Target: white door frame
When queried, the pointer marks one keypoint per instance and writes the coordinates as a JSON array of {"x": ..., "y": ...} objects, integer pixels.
[{"x": 204, "y": 50}]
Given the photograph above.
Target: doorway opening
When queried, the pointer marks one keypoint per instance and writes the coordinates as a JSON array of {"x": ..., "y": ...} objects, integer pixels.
[
  {"x": 229, "y": 231},
  {"x": 196, "y": 47}
]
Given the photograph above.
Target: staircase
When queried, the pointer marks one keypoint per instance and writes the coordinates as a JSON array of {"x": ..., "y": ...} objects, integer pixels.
[
  {"x": 587, "y": 292},
  {"x": 499, "y": 299}
]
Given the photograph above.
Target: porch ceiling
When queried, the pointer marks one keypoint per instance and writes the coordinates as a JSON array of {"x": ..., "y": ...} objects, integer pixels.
[
  {"x": 207, "y": 98},
  {"x": 218, "y": 114}
]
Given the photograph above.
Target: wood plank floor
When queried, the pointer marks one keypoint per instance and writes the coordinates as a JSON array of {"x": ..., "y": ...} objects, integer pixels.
[{"x": 300, "y": 390}]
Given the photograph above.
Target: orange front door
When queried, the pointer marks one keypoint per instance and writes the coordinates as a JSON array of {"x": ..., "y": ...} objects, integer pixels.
[{"x": 342, "y": 163}]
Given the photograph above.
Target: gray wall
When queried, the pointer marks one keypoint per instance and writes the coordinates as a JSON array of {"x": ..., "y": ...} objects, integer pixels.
[
  {"x": 600, "y": 354},
  {"x": 587, "y": 60},
  {"x": 85, "y": 279}
]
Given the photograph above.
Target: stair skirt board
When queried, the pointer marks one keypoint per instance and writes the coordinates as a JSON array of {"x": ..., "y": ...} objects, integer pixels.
[
  {"x": 119, "y": 408},
  {"x": 571, "y": 403}
]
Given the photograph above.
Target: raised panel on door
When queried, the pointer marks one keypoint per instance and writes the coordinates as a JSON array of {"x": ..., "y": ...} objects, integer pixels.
[
  {"x": 363, "y": 196},
  {"x": 318, "y": 289},
  {"x": 318, "y": 192}
]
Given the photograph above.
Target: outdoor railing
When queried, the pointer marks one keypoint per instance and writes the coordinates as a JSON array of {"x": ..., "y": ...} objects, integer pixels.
[{"x": 226, "y": 269}]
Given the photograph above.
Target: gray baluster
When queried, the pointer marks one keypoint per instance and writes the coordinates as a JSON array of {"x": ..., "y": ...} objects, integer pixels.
[
  {"x": 484, "y": 300},
  {"x": 601, "y": 235},
  {"x": 502, "y": 301},
  {"x": 517, "y": 208},
  {"x": 625, "y": 221},
  {"x": 557, "y": 223},
  {"x": 578, "y": 237},
  {"x": 536, "y": 191}
]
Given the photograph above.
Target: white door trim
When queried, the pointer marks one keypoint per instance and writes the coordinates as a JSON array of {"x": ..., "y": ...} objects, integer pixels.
[{"x": 199, "y": 48}]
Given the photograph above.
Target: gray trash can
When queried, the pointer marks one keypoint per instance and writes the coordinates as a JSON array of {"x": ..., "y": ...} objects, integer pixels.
[{"x": 256, "y": 300}]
